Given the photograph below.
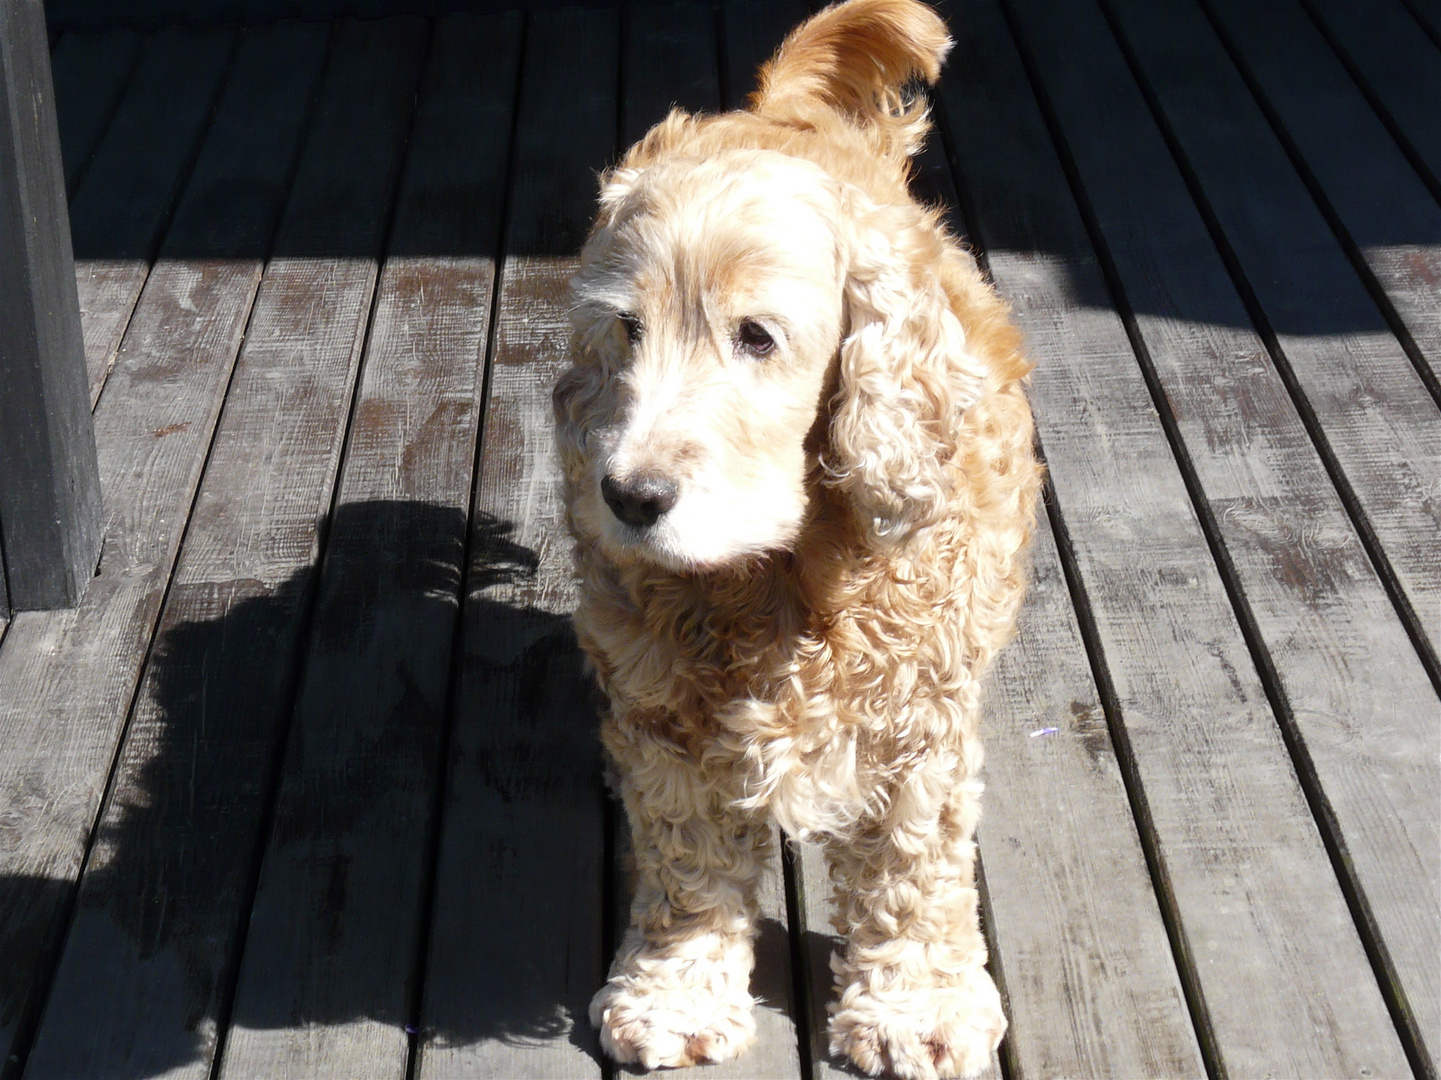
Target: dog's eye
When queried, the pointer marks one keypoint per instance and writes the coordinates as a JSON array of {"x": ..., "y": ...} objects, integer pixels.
[
  {"x": 633, "y": 328},
  {"x": 752, "y": 337}
]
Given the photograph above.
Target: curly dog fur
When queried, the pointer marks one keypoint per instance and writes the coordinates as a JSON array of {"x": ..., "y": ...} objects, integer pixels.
[{"x": 800, "y": 479}]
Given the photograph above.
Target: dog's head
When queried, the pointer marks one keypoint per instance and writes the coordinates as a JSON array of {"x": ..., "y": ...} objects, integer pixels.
[{"x": 753, "y": 331}]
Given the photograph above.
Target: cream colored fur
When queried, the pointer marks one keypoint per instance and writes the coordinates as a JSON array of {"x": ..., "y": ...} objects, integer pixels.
[{"x": 800, "y": 637}]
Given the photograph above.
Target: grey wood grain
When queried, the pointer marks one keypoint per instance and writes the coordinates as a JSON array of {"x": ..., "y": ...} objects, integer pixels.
[
  {"x": 1267, "y": 945},
  {"x": 1396, "y": 64},
  {"x": 237, "y": 190},
  {"x": 668, "y": 59},
  {"x": 1361, "y": 697},
  {"x": 91, "y": 73},
  {"x": 119, "y": 209},
  {"x": 751, "y": 31},
  {"x": 515, "y": 950},
  {"x": 144, "y": 980},
  {"x": 66, "y": 679},
  {"x": 1064, "y": 865},
  {"x": 777, "y": 1050},
  {"x": 1089, "y": 977},
  {"x": 50, "y": 510},
  {"x": 348, "y": 848},
  {"x": 1428, "y": 15},
  {"x": 1378, "y": 200},
  {"x": 1372, "y": 413}
]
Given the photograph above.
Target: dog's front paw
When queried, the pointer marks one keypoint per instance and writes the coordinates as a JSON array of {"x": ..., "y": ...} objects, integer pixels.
[
  {"x": 920, "y": 1033},
  {"x": 670, "y": 1012}
]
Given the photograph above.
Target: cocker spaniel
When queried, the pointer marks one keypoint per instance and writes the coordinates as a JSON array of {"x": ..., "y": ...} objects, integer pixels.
[{"x": 800, "y": 478}]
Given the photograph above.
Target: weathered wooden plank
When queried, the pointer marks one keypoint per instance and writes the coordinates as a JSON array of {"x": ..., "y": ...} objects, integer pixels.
[
  {"x": 238, "y": 189},
  {"x": 1370, "y": 412},
  {"x": 815, "y": 906},
  {"x": 1428, "y": 15},
  {"x": 120, "y": 206},
  {"x": 1089, "y": 975},
  {"x": 668, "y": 59},
  {"x": 1327, "y": 626},
  {"x": 1083, "y": 999},
  {"x": 751, "y": 31},
  {"x": 349, "y": 846},
  {"x": 91, "y": 73},
  {"x": 1319, "y": 607},
  {"x": 144, "y": 982},
  {"x": 50, "y": 510},
  {"x": 515, "y": 950},
  {"x": 1388, "y": 218},
  {"x": 67, "y": 678},
  {"x": 1396, "y": 65},
  {"x": 777, "y": 1050},
  {"x": 1271, "y": 959}
]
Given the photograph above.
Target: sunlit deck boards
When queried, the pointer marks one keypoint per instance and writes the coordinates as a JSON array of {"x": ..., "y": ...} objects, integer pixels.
[{"x": 308, "y": 785}]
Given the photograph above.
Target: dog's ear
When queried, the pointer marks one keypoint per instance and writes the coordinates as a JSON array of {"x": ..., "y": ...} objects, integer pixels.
[{"x": 905, "y": 374}]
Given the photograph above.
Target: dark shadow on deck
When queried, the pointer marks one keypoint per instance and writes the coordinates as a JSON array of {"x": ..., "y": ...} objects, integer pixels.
[
  {"x": 167, "y": 900},
  {"x": 564, "y": 185},
  {"x": 105, "y": 14}
]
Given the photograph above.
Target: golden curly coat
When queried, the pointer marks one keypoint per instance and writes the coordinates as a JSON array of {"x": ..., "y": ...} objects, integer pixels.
[{"x": 800, "y": 479}]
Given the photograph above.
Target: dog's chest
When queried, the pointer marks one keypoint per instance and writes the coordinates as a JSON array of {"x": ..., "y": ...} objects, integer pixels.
[{"x": 690, "y": 647}]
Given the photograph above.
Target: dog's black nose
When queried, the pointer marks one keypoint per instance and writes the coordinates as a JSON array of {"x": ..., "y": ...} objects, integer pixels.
[{"x": 640, "y": 499}]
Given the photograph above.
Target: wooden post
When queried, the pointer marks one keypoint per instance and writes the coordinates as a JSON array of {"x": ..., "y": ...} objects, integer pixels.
[{"x": 50, "y": 515}]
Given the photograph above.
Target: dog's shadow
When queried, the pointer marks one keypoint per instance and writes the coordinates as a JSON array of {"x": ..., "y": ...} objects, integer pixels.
[{"x": 349, "y": 902}]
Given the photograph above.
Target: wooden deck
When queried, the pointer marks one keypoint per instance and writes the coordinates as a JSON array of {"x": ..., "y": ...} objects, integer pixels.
[{"x": 309, "y": 785}]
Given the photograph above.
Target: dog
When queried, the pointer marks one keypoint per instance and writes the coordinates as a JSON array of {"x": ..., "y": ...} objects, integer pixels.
[{"x": 799, "y": 475}]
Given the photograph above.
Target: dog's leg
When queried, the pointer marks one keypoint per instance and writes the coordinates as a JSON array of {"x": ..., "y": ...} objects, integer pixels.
[
  {"x": 678, "y": 992},
  {"x": 915, "y": 999}
]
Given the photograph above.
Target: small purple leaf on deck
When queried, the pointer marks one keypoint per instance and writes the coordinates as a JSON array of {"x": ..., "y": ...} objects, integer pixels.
[{"x": 1045, "y": 731}]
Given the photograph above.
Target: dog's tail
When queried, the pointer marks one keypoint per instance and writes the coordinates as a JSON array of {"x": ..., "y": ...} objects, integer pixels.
[{"x": 856, "y": 58}]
